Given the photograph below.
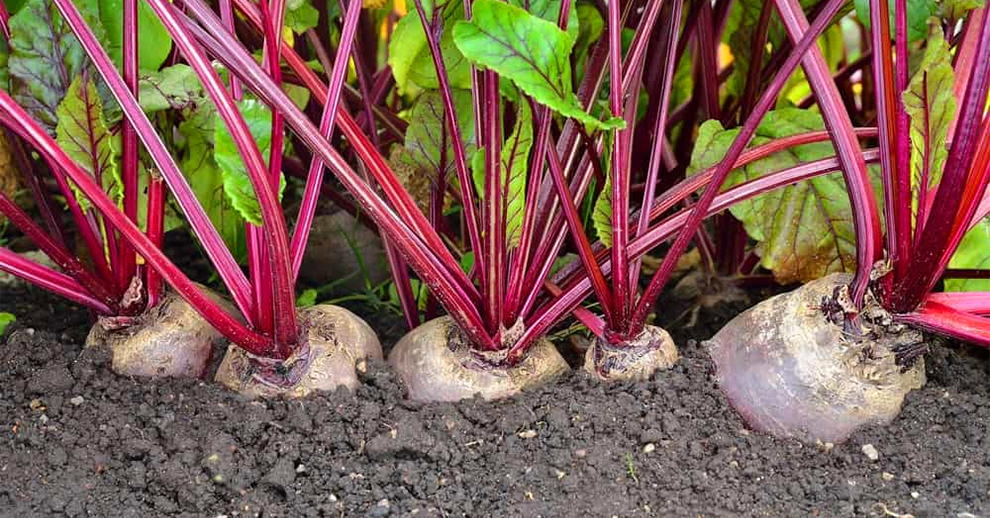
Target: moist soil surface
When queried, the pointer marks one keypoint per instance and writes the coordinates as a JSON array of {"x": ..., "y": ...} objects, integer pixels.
[{"x": 78, "y": 440}]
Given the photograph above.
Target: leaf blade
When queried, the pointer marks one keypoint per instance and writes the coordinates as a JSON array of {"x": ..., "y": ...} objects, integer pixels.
[
  {"x": 236, "y": 182},
  {"x": 930, "y": 103},
  {"x": 84, "y": 136},
  {"x": 973, "y": 253},
  {"x": 532, "y": 52},
  {"x": 45, "y": 57},
  {"x": 803, "y": 231}
]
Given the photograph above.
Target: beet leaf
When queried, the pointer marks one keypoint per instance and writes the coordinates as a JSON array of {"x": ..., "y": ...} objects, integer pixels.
[{"x": 532, "y": 52}]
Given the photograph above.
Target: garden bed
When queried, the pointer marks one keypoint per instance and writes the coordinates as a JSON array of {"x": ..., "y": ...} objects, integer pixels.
[{"x": 77, "y": 440}]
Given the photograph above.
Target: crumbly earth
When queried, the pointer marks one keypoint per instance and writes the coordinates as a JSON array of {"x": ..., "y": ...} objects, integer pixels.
[{"x": 77, "y": 440}]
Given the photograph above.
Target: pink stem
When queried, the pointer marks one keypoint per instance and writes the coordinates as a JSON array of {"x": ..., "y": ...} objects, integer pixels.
[
  {"x": 415, "y": 244},
  {"x": 575, "y": 291},
  {"x": 949, "y": 321},
  {"x": 66, "y": 261},
  {"x": 314, "y": 178},
  {"x": 130, "y": 167},
  {"x": 976, "y": 302},
  {"x": 227, "y": 268},
  {"x": 46, "y": 278},
  {"x": 276, "y": 235},
  {"x": 204, "y": 305}
]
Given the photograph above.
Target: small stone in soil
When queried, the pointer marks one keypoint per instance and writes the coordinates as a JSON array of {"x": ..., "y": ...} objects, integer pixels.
[
  {"x": 649, "y": 448},
  {"x": 871, "y": 452},
  {"x": 76, "y": 401},
  {"x": 527, "y": 434},
  {"x": 887, "y": 476},
  {"x": 382, "y": 508}
]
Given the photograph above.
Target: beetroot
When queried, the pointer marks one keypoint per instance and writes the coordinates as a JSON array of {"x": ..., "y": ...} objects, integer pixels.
[
  {"x": 791, "y": 372},
  {"x": 437, "y": 363}
]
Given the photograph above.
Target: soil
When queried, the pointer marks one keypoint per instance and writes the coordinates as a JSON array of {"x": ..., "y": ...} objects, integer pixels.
[{"x": 77, "y": 440}]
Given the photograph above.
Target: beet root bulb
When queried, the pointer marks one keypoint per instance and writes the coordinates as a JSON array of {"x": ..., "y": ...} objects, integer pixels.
[
  {"x": 636, "y": 360},
  {"x": 791, "y": 372},
  {"x": 168, "y": 340},
  {"x": 334, "y": 345},
  {"x": 436, "y": 363}
]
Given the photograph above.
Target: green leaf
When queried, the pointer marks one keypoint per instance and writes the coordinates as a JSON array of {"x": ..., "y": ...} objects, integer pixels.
[
  {"x": 409, "y": 53},
  {"x": 407, "y": 42},
  {"x": 683, "y": 87},
  {"x": 236, "y": 182},
  {"x": 918, "y": 12},
  {"x": 4, "y": 65},
  {"x": 298, "y": 94},
  {"x": 410, "y": 57},
  {"x": 710, "y": 145},
  {"x": 206, "y": 179},
  {"x": 154, "y": 43},
  {"x": 426, "y": 132},
  {"x": 592, "y": 25},
  {"x": 306, "y": 299},
  {"x": 601, "y": 213},
  {"x": 176, "y": 87},
  {"x": 423, "y": 72},
  {"x": 549, "y": 10},
  {"x": 478, "y": 170},
  {"x": 45, "y": 57},
  {"x": 973, "y": 252},
  {"x": 741, "y": 28},
  {"x": 931, "y": 104},
  {"x": 467, "y": 262},
  {"x": 515, "y": 163},
  {"x": 515, "y": 160},
  {"x": 13, "y": 6},
  {"x": 532, "y": 52},
  {"x": 5, "y": 320},
  {"x": 804, "y": 231},
  {"x": 954, "y": 10},
  {"x": 562, "y": 261},
  {"x": 300, "y": 16},
  {"x": 83, "y": 134}
]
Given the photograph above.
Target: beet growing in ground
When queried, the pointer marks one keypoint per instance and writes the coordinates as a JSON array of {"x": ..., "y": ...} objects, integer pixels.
[{"x": 77, "y": 440}]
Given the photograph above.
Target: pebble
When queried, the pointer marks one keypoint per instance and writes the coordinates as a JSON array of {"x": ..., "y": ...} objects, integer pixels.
[
  {"x": 887, "y": 476},
  {"x": 527, "y": 434},
  {"x": 649, "y": 448},
  {"x": 582, "y": 453},
  {"x": 76, "y": 401},
  {"x": 915, "y": 495},
  {"x": 871, "y": 452},
  {"x": 382, "y": 508}
]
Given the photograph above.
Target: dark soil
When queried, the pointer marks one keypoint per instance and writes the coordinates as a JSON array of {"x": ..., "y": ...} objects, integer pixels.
[{"x": 77, "y": 440}]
